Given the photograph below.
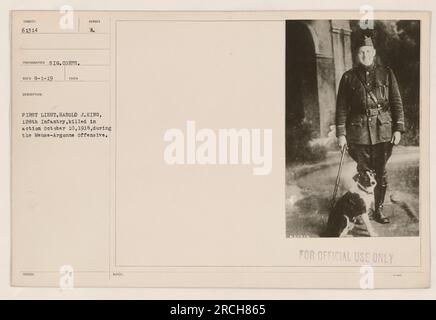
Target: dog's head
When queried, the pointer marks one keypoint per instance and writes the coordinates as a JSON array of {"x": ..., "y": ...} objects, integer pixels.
[{"x": 366, "y": 181}]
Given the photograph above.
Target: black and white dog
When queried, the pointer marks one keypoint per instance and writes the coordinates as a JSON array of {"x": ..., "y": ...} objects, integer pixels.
[{"x": 357, "y": 202}]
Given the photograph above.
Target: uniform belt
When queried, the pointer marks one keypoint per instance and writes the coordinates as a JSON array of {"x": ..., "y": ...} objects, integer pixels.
[{"x": 373, "y": 111}]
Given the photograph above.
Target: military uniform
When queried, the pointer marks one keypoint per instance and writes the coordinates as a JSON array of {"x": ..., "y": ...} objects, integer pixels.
[{"x": 368, "y": 110}]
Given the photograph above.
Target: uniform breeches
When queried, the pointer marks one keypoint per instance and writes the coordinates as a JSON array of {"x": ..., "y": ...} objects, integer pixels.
[{"x": 372, "y": 157}]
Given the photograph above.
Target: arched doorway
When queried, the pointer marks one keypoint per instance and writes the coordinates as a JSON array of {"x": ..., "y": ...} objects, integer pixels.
[
  {"x": 302, "y": 102},
  {"x": 302, "y": 106}
]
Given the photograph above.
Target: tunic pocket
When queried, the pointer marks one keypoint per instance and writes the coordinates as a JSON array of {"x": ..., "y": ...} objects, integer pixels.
[
  {"x": 384, "y": 118},
  {"x": 358, "y": 96},
  {"x": 382, "y": 91},
  {"x": 355, "y": 130},
  {"x": 385, "y": 125}
]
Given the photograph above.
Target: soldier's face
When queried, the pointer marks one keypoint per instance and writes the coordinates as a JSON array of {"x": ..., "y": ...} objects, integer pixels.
[{"x": 366, "y": 55}]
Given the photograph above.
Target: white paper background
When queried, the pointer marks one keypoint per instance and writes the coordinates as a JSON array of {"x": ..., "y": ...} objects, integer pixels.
[{"x": 6, "y": 292}]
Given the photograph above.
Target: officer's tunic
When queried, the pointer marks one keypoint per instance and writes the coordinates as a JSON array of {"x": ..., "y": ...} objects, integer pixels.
[{"x": 367, "y": 124}]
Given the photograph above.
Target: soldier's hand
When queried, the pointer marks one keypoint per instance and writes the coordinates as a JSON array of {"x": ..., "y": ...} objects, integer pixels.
[
  {"x": 342, "y": 142},
  {"x": 396, "y": 137}
]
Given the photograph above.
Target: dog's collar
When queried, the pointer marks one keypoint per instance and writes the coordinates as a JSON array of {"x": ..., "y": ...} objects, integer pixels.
[{"x": 363, "y": 189}]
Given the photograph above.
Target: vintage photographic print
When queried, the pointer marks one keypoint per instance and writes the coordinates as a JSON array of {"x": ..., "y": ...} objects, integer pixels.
[
  {"x": 219, "y": 149},
  {"x": 352, "y": 128}
]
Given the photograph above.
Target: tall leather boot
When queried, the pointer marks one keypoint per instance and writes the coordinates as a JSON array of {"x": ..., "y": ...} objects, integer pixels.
[{"x": 379, "y": 198}]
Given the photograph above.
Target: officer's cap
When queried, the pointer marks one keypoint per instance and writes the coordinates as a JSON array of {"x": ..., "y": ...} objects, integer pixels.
[{"x": 365, "y": 41}]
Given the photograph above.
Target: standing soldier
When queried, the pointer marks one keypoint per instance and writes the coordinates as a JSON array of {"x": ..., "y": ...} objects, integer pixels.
[{"x": 370, "y": 118}]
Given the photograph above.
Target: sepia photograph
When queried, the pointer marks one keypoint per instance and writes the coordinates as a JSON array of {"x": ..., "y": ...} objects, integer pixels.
[
  {"x": 224, "y": 149},
  {"x": 352, "y": 128}
]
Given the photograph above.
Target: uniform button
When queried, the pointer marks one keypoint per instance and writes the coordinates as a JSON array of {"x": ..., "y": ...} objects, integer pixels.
[
  {"x": 367, "y": 72},
  {"x": 369, "y": 119},
  {"x": 367, "y": 83}
]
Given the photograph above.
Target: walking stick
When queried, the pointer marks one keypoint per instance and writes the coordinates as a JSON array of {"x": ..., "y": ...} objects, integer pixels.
[{"x": 338, "y": 178}]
